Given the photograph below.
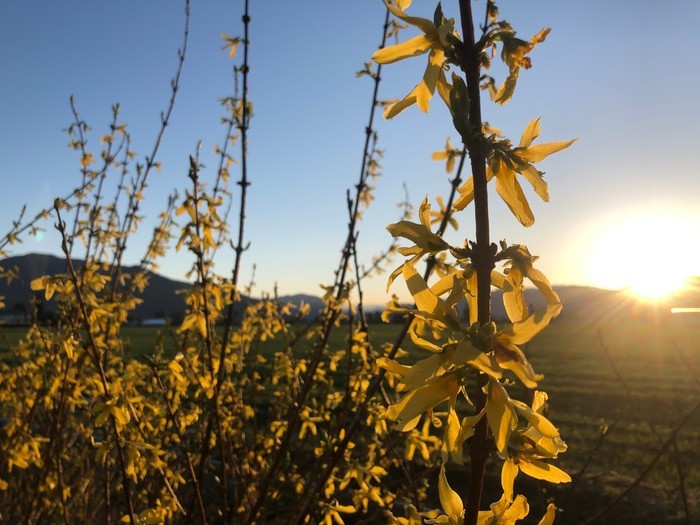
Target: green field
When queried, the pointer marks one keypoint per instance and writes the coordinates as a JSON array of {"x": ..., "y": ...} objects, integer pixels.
[
  {"x": 655, "y": 385},
  {"x": 638, "y": 379}
]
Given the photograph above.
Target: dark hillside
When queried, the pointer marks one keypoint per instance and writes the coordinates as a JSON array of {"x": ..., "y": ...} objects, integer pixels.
[{"x": 162, "y": 297}]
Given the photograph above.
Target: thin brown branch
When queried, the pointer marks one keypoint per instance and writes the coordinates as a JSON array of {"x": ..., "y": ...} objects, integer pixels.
[
  {"x": 376, "y": 383},
  {"x": 97, "y": 362},
  {"x": 362, "y": 182},
  {"x": 602, "y": 436},
  {"x": 176, "y": 425},
  {"x": 143, "y": 172},
  {"x": 333, "y": 311},
  {"x": 669, "y": 441}
]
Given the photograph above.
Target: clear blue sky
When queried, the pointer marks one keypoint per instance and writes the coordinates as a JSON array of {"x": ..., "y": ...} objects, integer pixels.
[{"x": 622, "y": 76}]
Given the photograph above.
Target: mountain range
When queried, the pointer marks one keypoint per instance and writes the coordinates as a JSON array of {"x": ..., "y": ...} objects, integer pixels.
[{"x": 164, "y": 297}]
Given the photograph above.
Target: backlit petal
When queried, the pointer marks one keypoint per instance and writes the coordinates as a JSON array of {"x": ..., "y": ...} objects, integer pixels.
[
  {"x": 512, "y": 194},
  {"x": 427, "y": 86},
  {"x": 501, "y": 416},
  {"x": 532, "y": 131},
  {"x": 425, "y": 300},
  {"x": 534, "y": 177},
  {"x": 541, "y": 151},
  {"x": 544, "y": 471},
  {"x": 423, "y": 24},
  {"x": 449, "y": 499},
  {"x": 397, "y": 107},
  {"x": 522, "y": 332},
  {"x": 415, "y": 46},
  {"x": 548, "y": 518},
  {"x": 407, "y": 411}
]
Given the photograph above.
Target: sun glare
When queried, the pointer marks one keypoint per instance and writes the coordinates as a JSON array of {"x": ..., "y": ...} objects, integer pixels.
[
  {"x": 649, "y": 255},
  {"x": 656, "y": 289}
]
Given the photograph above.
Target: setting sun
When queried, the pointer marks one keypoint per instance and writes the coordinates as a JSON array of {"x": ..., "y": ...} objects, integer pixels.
[
  {"x": 650, "y": 254},
  {"x": 655, "y": 289}
]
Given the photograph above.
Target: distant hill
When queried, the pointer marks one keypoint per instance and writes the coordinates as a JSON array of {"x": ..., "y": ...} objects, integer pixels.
[
  {"x": 593, "y": 305},
  {"x": 315, "y": 303},
  {"x": 162, "y": 297},
  {"x": 596, "y": 304}
]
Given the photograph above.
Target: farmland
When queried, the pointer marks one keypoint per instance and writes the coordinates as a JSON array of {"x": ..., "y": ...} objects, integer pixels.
[{"x": 618, "y": 389}]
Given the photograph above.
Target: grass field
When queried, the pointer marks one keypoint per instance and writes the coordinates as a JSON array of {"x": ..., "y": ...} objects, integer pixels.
[
  {"x": 638, "y": 379},
  {"x": 635, "y": 378}
]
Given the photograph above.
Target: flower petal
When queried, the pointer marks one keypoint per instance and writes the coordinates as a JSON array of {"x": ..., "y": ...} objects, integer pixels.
[
  {"x": 425, "y": 90},
  {"x": 500, "y": 415},
  {"x": 537, "y": 420},
  {"x": 534, "y": 177},
  {"x": 450, "y": 446},
  {"x": 544, "y": 471},
  {"x": 423, "y": 24},
  {"x": 421, "y": 372},
  {"x": 512, "y": 358},
  {"x": 508, "y": 474},
  {"x": 413, "y": 47},
  {"x": 392, "y": 366},
  {"x": 425, "y": 300},
  {"x": 548, "y": 518},
  {"x": 466, "y": 354},
  {"x": 419, "y": 234},
  {"x": 520, "y": 333},
  {"x": 421, "y": 342},
  {"x": 449, "y": 499},
  {"x": 466, "y": 195},
  {"x": 541, "y": 151},
  {"x": 512, "y": 194},
  {"x": 407, "y": 412},
  {"x": 443, "y": 88},
  {"x": 517, "y": 511},
  {"x": 466, "y": 191},
  {"x": 542, "y": 283},
  {"x": 424, "y": 213},
  {"x": 513, "y": 299},
  {"x": 532, "y": 131},
  {"x": 397, "y": 107}
]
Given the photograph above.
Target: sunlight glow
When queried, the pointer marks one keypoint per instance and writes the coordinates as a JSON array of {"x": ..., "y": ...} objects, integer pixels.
[
  {"x": 656, "y": 289},
  {"x": 650, "y": 255}
]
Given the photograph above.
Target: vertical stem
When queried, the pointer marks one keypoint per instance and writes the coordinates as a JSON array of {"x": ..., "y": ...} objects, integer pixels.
[
  {"x": 482, "y": 258},
  {"x": 186, "y": 453},
  {"x": 243, "y": 183},
  {"x": 141, "y": 179},
  {"x": 244, "y": 146},
  {"x": 362, "y": 183},
  {"x": 331, "y": 316},
  {"x": 97, "y": 362}
]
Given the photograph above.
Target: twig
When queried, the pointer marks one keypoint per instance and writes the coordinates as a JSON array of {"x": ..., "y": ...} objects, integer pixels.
[
  {"x": 669, "y": 441},
  {"x": 362, "y": 183},
  {"x": 176, "y": 424},
  {"x": 681, "y": 480},
  {"x": 142, "y": 173},
  {"x": 625, "y": 386},
  {"x": 376, "y": 384},
  {"x": 333, "y": 310},
  {"x": 243, "y": 128},
  {"x": 605, "y": 431},
  {"x": 126, "y": 484}
]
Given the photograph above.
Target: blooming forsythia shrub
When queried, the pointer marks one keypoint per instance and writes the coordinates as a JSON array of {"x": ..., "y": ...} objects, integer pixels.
[{"x": 229, "y": 429}]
